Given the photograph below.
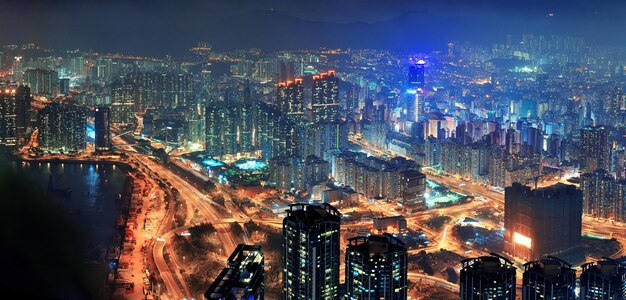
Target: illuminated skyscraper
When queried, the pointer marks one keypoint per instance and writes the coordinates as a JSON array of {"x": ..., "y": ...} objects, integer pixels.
[
  {"x": 549, "y": 278},
  {"x": 545, "y": 221},
  {"x": 487, "y": 277},
  {"x": 325, "y": 100},
  {"x": 62, "y": 127},
  {"x": 598, "y": 188},
  {"x": 311, "y": 252},
  {"x": 416, "y": 75},
  {"x": 14, "y": 114},
  {"x": 41, "y": 81},
  {"x": 242, "y": 279},
  {"x": 290, "y": 98},
  {"x": 278, "y": 135},
  {"x": 64, "y": 86},
  {"x": 594, "y": 149},
  {"x": 603, "y": 280},
  {"x": 376, "y": 268},
  {"x": 225, "y": 130},
  {"x": 617, "y": 102},
  {"x": 122, "y": 101},
  {"x": 323, "y": 137},
  {"x": 8, "y": 117},
  {"x": 619, "y": 196},
  {"x": 102, "y": 127}
]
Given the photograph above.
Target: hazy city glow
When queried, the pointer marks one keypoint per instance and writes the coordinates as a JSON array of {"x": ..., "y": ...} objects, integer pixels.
[{"x": 313, "y": 150}]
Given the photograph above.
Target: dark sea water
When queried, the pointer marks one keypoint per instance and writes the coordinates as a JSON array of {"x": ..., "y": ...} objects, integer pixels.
[{"x": 90, "y": 194}]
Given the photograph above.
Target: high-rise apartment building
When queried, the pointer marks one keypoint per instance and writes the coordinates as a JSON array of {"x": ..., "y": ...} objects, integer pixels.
[
  {"x": 376, "y": 268},
  {"x": 325, "y": 101},
  {"x": 594, "y": 149},
  {"x": 549, "y": 278},
  {"x": 311, "y": 252},
  {"x": 102, "y": 128},
  {"x": 603, "y": 280},
  {"x": 487, "y": 277},
  {"x": 14, "y": 114},
  {"x": 123, "y": 99},
  {"x": 42, "y": 81},
  {"x": 598, "y": 188},
  {"x": 62, "y": 127},
  {"x": 290, "y": 98}
]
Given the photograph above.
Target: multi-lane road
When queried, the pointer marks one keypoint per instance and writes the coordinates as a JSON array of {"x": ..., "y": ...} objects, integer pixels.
[{"x": 191, "y": 196}]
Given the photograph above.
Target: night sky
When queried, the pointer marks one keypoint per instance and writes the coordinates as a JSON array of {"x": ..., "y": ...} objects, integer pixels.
[{"x": 161, "y": 27}]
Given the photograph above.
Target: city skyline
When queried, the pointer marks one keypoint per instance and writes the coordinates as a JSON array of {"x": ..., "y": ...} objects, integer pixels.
[{"x": 325, "y": 150}]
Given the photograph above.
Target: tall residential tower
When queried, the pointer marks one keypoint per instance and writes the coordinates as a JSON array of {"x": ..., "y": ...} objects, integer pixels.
[{"x": 311, "y": 252}]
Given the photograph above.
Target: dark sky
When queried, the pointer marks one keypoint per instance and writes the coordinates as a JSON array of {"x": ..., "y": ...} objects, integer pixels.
[{"x": 158, "y": 27}]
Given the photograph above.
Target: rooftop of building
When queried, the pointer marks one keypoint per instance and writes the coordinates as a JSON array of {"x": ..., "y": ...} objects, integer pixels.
[
  {"x": 494, "y": 264},
  {"x": 606, "y": 268},
  {"x": 243, "y": 264},
  {"x": 310, "y": 214},
  {"x": 550, "y": 267},
  {"x": 376, "y": 163},
  {"x": 412, "y": 173},
  {"x": 375, "y": 245},
  {"x": 553, "y": 191}
]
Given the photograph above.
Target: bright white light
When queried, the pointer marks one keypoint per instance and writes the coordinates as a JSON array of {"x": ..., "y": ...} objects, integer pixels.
[{"x": 522, "y": 240}]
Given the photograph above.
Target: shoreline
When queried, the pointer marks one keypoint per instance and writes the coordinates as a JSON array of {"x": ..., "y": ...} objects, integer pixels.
[{"x": 116, "y": 249}]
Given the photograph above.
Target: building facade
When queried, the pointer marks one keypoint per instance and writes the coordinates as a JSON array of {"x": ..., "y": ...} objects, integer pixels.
[
  {"x": 594, "y": 149},
  {"x": 62, "y": 127},
  {"x": 487, "y": 277},
  {"x": 549, "y": 278},
  {"x": 545, "y": 221},
  {"x": 102, "y": 128},
  {"x": 603, "y": 280},
  {"x": 376, "y": 268},
  {"x": 311, "y": 252},
  {"x": 14, "y": 114}
]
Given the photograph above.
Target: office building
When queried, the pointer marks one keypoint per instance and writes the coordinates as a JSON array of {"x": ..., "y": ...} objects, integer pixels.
[
  {"x": 14, "y": 114},
  {"x": 594, "y": 149},
  {"x": 549, "y": 278},
  {"x": 376, "y": 268},
  {"x": 416, "y": 75},
  {"x": 544, "y": 221},
  {"x": 102, "y": 128},
  {"x": 487, "y": 277},
  {"x": 42, "y": 82},
  {"x": 242, "y": 279},
  {"x": 62, "y": 127},
  {"x": 603, "y": 280},
  {"x": 311, "y": 252},
  {"x": 325, "y": 101}
]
